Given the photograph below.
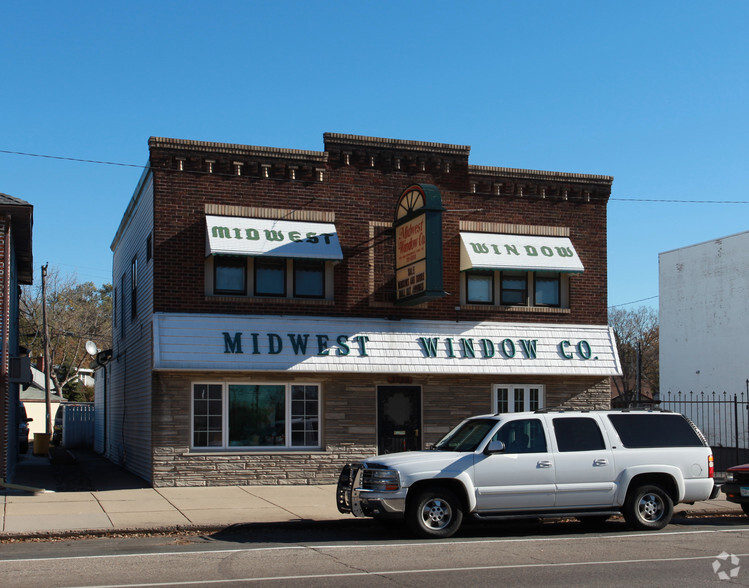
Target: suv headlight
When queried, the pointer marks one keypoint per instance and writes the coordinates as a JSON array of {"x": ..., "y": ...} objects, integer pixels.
[{"x": 380, "y": 479}]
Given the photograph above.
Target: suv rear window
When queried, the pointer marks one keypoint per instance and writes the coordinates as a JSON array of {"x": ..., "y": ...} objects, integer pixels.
[{"x": 655, "y": 430}]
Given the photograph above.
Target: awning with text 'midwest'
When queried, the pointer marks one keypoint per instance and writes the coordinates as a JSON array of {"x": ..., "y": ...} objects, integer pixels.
[
  {"x": 229, "y": 235},
  {"x": 518, "y": 252}
]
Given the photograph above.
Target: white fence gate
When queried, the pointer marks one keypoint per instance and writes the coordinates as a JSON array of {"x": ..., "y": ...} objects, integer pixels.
[{"x": 78, "y": 425}]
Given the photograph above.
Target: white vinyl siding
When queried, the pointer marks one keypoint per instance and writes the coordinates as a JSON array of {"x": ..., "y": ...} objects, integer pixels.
[{"x": 128, "y": 438}]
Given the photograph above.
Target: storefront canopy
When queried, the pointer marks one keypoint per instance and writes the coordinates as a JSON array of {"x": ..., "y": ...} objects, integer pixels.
[
  {"x": 518, "y": 252},
  {"x": 229, "y": 235}
]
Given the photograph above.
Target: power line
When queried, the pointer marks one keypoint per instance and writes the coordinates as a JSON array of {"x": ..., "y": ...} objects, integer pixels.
[
  {"x": 219, "y": 174},
  {"x": 633, "y": 302},
  {"x": 76, "y": 159},
  {"x": 673, "y": 201}
]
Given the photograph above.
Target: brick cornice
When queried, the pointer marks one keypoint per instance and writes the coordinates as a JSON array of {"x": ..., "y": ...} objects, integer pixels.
[
  {"x": 530, "y": 174},
  {"x": 237, "y": 150},
  {"x": 342, "y": 140}
]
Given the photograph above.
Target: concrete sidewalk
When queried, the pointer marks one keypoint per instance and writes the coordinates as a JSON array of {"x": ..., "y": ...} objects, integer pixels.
[{"x": 116, "y": 501}]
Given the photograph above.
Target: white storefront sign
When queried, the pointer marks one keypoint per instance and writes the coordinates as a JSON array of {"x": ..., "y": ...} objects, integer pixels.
[{"x": 356, "y": 345}]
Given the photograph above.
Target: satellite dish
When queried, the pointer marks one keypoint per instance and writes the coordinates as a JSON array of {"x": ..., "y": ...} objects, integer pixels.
[{"x": 91, "y": 348}]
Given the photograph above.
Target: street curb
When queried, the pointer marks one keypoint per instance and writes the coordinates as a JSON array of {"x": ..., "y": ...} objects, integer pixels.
[
  {"x": 175, "y": 529},
  {"x": 300, "y": 524}
]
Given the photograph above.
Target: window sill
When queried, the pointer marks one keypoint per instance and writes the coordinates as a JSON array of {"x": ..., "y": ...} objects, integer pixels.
[
  {"x": 243, "y": 451},
  {"x": 537, "y": 309},
  {"x": 271, "y": 299}
]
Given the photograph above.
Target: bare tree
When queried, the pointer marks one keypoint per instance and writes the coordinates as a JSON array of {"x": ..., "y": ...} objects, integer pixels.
[
  {"x": 636, "y": 333},
  {"x": 76, "y": 312}
]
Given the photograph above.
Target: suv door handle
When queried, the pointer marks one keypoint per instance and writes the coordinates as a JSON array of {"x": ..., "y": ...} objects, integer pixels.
[
  {"x": 544, "y": 464},
  {"x": 601, "y": 462}
]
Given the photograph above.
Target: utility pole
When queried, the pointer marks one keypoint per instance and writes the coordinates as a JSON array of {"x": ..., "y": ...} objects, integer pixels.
[
  {"x": 45, "y": 327},
  {"x": 638, "y": 383}
]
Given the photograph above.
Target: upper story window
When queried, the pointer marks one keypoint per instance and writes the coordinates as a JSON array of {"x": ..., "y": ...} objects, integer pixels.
[
  {"x": 122, "y": 305},
  {"x": 480, "y": 287},
  {"x": 272, "y": 277},
  {"x": 547, "y": 291},
  {"x": 229, "y": 275},
  {"x": 514, "y": 288},
  {"x": 309, "y": 278},
  {"x": 134, "y": 288},
  {"x": 270, "y": 258},
  {"x": 517, "y": 270}
]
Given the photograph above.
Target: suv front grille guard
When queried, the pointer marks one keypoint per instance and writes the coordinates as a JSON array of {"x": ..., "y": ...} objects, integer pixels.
[{"x": 346, "y": 485}]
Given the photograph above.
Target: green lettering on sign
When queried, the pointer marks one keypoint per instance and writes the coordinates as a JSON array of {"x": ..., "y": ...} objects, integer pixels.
[
  {"x": 430, "y": 345},
  {"x": 232, "y": 345}
]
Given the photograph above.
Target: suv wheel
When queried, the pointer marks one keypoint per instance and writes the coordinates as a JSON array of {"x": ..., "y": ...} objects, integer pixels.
[
  {"x": 745, "y": 508},
  {"x": 434, "y": 514},
  {"x": 648, "y": 508}
]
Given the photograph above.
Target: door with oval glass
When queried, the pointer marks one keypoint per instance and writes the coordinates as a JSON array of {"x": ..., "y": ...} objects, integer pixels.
[{"x": 398, "y": 418}]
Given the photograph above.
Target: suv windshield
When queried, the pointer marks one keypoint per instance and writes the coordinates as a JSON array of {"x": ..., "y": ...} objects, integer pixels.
[{"x": 466, "y": 436}]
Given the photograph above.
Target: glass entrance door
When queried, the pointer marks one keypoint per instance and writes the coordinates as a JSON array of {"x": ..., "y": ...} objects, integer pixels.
[{"x": 398, "y": 418}]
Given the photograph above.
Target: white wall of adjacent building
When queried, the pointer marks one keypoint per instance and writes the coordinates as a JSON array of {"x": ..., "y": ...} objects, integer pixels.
[
  {"x": 704, "y": 332},
  {"x": 704, "y": 316}
]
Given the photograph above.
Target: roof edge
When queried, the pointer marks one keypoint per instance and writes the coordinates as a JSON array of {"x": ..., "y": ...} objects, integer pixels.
[
  {"x": 538, "y": 174},
  {"x": 343, "y": 140},
  {"x": 235, "y": 149}
]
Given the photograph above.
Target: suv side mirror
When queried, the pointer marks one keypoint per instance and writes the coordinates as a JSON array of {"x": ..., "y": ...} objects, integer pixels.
[{"x": 494, "y": 447}]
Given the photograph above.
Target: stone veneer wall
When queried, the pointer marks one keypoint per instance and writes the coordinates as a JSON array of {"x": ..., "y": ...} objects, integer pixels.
[{"x": 349, "y": 425}]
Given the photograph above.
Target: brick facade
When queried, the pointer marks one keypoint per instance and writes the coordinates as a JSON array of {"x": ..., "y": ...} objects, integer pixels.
[
  {"x": 525, "y": 198},
  {"x": 355, "y": 183}
]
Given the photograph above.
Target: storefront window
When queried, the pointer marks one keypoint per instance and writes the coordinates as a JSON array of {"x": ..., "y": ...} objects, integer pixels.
[
  {"x": 256, "y": 415},
  {"x": 305, "y": 421},
  {"x": 207, "y": 415}
]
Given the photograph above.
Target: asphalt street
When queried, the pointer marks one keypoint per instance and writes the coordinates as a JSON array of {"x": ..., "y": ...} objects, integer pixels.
[{"x": 686, "y": 553}]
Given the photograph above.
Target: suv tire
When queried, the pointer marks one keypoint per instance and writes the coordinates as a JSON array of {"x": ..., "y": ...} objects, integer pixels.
[
  {"x": 434, "y": 514},
  {"x": 648, "y": 508},
  {"x": 745, "y": 508}
]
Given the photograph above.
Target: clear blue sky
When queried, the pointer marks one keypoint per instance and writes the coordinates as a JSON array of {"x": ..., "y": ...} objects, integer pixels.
[{"x": 654, "y": 93}]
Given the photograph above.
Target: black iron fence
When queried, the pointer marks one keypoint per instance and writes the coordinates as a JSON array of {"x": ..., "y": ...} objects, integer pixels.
[{"x": 721, "y": 416}]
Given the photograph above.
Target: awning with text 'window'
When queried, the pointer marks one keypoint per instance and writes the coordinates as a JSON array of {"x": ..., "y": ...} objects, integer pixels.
[
  {"x": 230, "y": 235},
  {"x": 518, "y": 252}
]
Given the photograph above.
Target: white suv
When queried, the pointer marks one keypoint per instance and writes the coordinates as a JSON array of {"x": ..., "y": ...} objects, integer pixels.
[{"x": 538, "y": 464}]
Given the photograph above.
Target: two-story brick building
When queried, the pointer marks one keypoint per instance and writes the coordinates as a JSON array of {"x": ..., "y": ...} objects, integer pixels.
[{"x": 280, "y": 312}]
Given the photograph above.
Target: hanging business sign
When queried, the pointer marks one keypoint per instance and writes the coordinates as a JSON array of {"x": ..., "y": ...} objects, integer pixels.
[{"x": 418, "y": 245}]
